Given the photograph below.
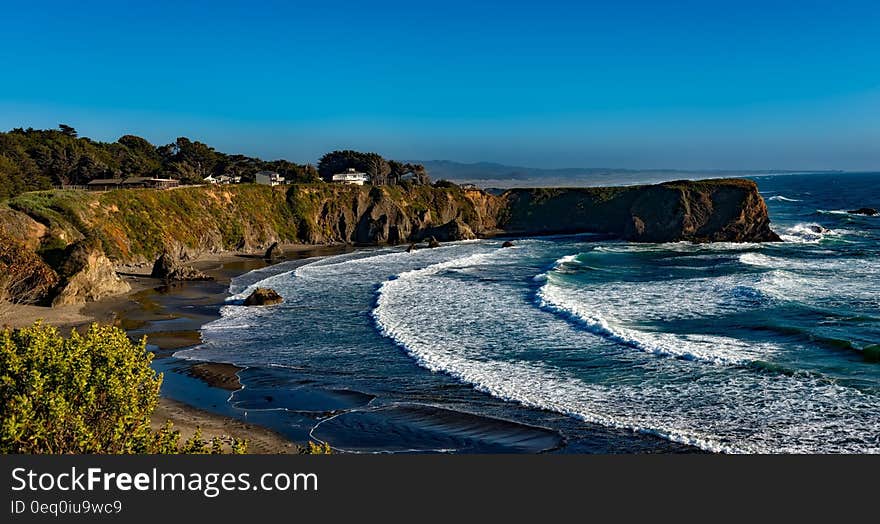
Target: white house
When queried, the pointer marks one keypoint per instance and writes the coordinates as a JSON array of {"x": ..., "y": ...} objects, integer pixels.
[
  {"x": 351, "y": 176},
  {"x": 269, "y": 178}
]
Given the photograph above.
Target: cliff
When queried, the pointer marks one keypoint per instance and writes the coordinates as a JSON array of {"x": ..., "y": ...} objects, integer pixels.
[
  {"x": 139, "y": 225},
  {"x": 723, "y": 210}
]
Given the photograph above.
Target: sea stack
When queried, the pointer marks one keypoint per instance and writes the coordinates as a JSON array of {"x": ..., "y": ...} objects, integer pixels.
[{"x": 263, "y": 296}]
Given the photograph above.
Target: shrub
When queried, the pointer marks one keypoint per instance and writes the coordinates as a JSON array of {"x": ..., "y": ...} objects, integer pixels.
[
  {"x": 317, "y": 449},
  {"x": 92, "y": 393}
]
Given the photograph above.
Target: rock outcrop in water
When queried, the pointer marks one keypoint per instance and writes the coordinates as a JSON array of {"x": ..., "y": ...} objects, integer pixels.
[
  {"x": 729, "y": 210},
  {"x": 867, "y": 211},
  {"x": 263, "y": 296}
]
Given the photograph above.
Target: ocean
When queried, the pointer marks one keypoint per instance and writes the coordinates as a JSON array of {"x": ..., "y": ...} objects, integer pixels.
[{"x": 577, "y": 344}]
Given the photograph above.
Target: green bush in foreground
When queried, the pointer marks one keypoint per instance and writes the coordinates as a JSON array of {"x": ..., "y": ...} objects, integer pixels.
[{"x": 92, "y": 393}]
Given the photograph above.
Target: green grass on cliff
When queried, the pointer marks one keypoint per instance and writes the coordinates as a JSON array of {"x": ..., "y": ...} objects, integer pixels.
[{"x": 136, "y": 224}]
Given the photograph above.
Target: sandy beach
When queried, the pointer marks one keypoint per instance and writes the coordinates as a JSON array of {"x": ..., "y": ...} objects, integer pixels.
[{"x": 150, "y": 304}]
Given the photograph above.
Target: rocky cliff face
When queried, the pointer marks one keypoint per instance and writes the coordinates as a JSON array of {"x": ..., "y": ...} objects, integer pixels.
[
  {"x": 138, "y": 226},
  {"x": 729, "y": 210},
  {"x": 389, "y": 215},
  {"x": 24, "y": 277}
]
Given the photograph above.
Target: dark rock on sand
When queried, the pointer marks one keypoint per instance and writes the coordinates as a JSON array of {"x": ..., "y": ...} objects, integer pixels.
[
  {"x": 263, "y": 296},
  {"x": 867, "y": 211},
  {"x": 274, "y": 252},
  {"x": 87, "y": 275},
  {"x": 507, "y": 243},
  {"x": 164, "y": 265},
  {"x": 167, "y": 267}
]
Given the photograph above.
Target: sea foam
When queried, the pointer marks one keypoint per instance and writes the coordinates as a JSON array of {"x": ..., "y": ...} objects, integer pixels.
[{"x": 722, "y": 412}]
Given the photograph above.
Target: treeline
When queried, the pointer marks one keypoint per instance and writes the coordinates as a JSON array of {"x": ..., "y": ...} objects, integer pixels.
[
  {"x": 35, "y": 159},
  {"x": 382, "y": 172}
]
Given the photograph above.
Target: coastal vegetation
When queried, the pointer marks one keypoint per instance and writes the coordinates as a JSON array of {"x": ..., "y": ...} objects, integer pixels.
[
  {"x": 40, "y": 159},
  {"x": 91, "y": 393},
  {"x": 382, "y": 172}
]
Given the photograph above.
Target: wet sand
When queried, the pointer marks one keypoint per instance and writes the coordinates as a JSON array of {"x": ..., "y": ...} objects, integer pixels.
[{"x": 187, "y": 418}]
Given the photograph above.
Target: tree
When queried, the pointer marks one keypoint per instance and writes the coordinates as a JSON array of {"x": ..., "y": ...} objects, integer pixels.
[
  {"x": 370, "y": 163},
  {"x": 92, "y": 393},
  {"x": 400, "y": 170},
  {"x": 137, "y": 156},
  {"x": 378, "y": 169},
  {"x": 190, "y": 161},
  {"x": 67, "y": 130}
]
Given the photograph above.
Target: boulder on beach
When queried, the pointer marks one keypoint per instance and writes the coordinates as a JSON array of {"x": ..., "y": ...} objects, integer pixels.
[
  {"x": 263, "y": 296},
  {"x": 164, "y": 265},
  {"x": 167, "y": 267},
  {"x": 507, "y": 243},
  {"x": 87, "y": 275},
  {"x": 274, "y": 252},
  {"x": 867, "y": 211}
]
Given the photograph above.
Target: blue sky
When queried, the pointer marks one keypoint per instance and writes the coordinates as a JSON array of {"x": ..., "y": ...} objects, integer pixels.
[{"x": 694, "y": 85}]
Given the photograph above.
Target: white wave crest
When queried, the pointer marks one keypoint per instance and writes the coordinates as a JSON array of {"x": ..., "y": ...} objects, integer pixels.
[
  {"x": 477, "y": 347},
  {"x": 706, "y": 348},
  {"x": 806, "y": 233}
]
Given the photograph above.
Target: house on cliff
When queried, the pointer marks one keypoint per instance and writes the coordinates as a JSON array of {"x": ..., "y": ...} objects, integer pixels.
[
  {"x": 134, "y": 182},
  {"x": 351, "y": 176},
  {"x": 269, "y": 178},
  {"x": 222, "y": 180}
]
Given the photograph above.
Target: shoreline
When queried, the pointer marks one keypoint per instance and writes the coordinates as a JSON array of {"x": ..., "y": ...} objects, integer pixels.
[{"x": 150, "y": 306}]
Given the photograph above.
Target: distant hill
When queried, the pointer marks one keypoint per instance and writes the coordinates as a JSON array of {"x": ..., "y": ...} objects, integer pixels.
[{"x": 490, "y": 174}]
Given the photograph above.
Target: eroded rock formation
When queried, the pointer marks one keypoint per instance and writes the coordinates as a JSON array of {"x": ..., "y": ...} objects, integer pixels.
[
  {"x": 728, "y": 210},
  {"x": 87, "y": 275}
]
